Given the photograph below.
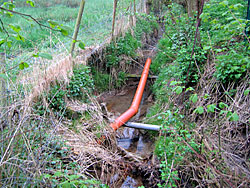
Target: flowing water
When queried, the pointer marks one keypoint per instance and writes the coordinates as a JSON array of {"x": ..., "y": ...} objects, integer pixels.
[{"x": 130, "y": 139}]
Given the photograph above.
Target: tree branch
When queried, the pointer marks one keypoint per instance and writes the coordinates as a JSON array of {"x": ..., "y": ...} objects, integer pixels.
[
  {"x": 4, "y": 27},
  {"x": 195, "y": 37},
  {"x": 27, "y": 15}
]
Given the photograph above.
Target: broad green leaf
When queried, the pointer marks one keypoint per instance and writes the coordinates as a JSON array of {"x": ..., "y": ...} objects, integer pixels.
[
  {"x": 234, "y": 117},
  {"x": 190, "y": 89},
  {"x": 82, "y": 45},
  {"x": 194, "y": 98},
  {"x": 26, "y": 65},
  {"x": 178, "y": 90},
  {"x": 246, "y": 92},
  {"x": 16, "y": 28},
  {"x": 73, "y": 177},
  {"x": 47, "y": 176},
  {"x": 173, "y": 83},
  {"x": 31, "y": 3},
  {"x": 223, "y": 105},
  {"x": 211, "y": 108},
  {"x": 9, "y": 44},
  {"x": 21, "y": 66},
  {"x": 199, "y": 110},
  {"x": 19, "y": 37},
  {"x": 206, "y": 96},
  {"x": 45, "y": 56},
  {"x": 224, "y": 3},
  {"x": 57, "y": 174},
  {"x": 64, "y": 32},
  {"x": 207, "y": 47},
  {"x": 36, "y": 55},
  {"x": 65, "y": 184}
]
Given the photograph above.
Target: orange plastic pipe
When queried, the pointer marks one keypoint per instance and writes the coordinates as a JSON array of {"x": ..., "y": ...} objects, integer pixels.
[{"x": 136, "y": 101}]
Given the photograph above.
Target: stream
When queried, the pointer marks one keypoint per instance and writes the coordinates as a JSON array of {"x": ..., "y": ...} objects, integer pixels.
[{"x": 130, "y": 139}]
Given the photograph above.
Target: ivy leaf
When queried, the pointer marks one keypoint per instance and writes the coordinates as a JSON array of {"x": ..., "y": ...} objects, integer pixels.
[
  {"x": 81, "y": 45},
  {"x": 199, "y": 110},
  {"x": 31, "y": 3},
  {"x": 45, "y": 56}
]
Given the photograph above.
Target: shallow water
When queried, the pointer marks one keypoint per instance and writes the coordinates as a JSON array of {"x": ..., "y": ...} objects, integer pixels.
[{"x": 131, "y": 139}]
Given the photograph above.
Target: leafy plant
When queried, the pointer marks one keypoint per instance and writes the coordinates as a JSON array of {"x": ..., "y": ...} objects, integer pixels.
[
  {"x": 56, "y": 98},
  {"x": 81, "y": 83},
  {"x": 64, "y": 180},
  {"x": 232, "y": 66},
  {"x": 171, "y": 149}
]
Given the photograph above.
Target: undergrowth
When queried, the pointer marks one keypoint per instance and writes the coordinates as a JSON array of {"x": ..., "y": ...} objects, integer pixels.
[
  {"x": 120, "y": 53},
  {"x": 196, "y": 96},
  {"x": 80, "y": 87}
]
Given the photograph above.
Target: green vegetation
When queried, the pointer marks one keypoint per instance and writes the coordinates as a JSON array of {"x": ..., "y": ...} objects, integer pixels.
[
  {"x": 96, "y": 22},
  {"x": 120, "y": 53},
  {"x": 79, "y": 87},
  {"x": 196, "y": 93}
]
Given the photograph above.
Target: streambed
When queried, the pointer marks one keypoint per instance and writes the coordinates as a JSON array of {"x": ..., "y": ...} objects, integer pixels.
[{"x": 132, "y": 140}]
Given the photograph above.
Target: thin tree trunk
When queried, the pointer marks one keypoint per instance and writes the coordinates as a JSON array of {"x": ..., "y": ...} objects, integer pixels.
[
  {"x": 77, "y": 26},
  {"x": 114, "y": 16}
]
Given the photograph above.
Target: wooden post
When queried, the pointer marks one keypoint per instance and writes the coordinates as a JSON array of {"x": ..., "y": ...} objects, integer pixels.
[
  {"x": 2, "y": 84},
  {"x": 134, "y": 8},
  {"x": 114, "y": 15},
  {"x": 77, "y": 26}
]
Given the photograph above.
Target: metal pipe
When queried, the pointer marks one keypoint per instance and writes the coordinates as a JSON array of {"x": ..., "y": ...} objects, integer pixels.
[
  {"x": 136, "y": 101},
  {"x": 142, "y": 126}
]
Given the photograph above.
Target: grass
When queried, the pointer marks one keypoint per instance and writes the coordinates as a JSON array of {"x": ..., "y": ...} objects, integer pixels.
[{"x": 95, "y": 25}]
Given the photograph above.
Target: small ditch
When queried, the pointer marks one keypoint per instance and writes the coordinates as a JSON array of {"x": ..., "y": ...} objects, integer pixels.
[{"x": 132, "y": 140}]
